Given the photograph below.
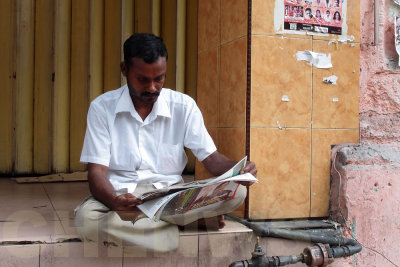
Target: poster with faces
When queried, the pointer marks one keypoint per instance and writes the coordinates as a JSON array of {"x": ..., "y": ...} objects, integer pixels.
[
  {"x": 323, "y": 16},
  {"x": 397, "y": 35}
]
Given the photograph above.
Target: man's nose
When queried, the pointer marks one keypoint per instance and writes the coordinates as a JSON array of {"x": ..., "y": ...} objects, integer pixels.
[{"x": 152, "y": 87}]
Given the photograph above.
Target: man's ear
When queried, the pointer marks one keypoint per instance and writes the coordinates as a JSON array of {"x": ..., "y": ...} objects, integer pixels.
[{"x": 123, "y": 67}]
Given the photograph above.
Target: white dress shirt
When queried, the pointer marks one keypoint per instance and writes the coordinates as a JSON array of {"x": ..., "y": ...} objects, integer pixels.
[{"x": 149, "y": 151}]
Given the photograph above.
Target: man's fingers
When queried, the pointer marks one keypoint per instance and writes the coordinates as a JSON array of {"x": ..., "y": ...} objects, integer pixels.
[
  {"x": 245, "y": 183},
  {"x": 128, "y": 200},
  {"x": 250, "y": 167}
]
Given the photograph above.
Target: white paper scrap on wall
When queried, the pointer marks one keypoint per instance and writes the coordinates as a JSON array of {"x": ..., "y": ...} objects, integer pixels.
[
  {"x": 335, "y": 99},
  {"x": 319, "y": 60},
  {"x": 330, "y": 80},
  {"x": 285, "y": 98}
]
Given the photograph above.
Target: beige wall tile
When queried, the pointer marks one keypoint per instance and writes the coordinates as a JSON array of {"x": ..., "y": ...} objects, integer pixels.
[
  {"x": 353, "y": 19},
  {"x": 208, "y": 24},
  {"x": 275, "y": 72},
  {"x": 344, "y": 113},
  {"x": 200, "y": 171},
  {"x": 207, "y": 86},
  {"x": 283, "y": 159},
  {"x": 233, "y": 83},
  {"x": 233, "y": 19},
  {"x": 262, "y": 17},
  {"x": 232, "y": 142},
  {"x": 322, "y": 140}
]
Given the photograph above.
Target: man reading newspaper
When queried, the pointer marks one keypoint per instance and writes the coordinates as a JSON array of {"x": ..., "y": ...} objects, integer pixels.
[{"x": 134, "y": 143}]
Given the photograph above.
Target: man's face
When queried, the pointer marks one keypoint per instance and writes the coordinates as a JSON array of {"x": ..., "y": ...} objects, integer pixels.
[
  {"x": 308, "y": 13},
  {"x": 145, "y": 81}
]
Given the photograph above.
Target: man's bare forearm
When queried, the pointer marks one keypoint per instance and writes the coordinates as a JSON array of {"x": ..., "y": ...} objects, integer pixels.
[
  {"x": 100, "y": 187},
  {"x": 218, "y": 163},
  {"x": 103, "y": 191}
]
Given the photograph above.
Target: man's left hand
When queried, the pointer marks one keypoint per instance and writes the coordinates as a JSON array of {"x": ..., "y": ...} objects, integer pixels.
[{"x": 251, "y": 168}]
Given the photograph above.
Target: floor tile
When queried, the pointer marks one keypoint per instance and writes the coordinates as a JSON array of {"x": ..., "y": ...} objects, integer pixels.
[
  {"x": 27, "y": 255},
  {"x": 27, "y": 199},
  {"x": 66, "y": 196},
  {"x": 34, "y": 230},
  {"x": 69, "y": 227},
  {"x": 222, "y": 250},
  {"x": 185, "y": 255},
  {"x": 79, "y": 254}
]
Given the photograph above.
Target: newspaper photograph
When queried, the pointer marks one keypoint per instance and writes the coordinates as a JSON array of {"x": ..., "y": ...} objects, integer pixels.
[
  {"x": 195, "y": 195},
  {"x": 322, "y": 16}
]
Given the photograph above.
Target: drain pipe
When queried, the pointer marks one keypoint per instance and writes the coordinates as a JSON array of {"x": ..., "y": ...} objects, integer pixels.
[{"x": 318, "y": 255}]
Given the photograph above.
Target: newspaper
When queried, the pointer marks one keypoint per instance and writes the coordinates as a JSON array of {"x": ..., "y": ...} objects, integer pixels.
[{"x": 196, "y": 195}]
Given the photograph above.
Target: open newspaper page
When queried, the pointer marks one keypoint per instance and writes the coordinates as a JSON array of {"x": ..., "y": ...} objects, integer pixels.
[
  {"x": 196, "y": 195},
  {"x": 196, "y": 198},
  {"x": 199, "y": 183}
]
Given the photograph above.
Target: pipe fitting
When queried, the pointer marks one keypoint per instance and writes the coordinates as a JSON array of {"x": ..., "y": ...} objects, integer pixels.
[{"x": 318, "y": 255}]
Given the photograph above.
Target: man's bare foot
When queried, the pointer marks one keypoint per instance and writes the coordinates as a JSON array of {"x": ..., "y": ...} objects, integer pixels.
[{"x": 213, "y": 223}]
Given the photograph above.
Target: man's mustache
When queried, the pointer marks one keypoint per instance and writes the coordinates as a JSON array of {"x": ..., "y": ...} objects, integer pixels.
[{"x": 150, "y": 94}]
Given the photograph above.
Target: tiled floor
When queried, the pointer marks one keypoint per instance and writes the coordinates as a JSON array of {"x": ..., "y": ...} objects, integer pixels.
[{"x": 36, "y": 229}]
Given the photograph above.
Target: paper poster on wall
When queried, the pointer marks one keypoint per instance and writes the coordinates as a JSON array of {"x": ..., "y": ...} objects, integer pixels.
[
  {"x": 322, "y": 16},
  {"x": 397, "y": 35}
]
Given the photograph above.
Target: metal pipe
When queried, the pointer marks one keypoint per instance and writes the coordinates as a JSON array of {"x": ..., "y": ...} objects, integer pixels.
[{"x": 344, "y": 247}]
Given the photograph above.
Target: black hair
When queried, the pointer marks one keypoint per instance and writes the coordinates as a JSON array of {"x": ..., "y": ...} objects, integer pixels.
[
  {"x": 340, "y": 17},
  {"x": 146, "y": 46}
]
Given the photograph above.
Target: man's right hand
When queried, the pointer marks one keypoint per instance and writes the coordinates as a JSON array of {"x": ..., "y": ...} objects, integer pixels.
[{"x": 125, "y": 202}]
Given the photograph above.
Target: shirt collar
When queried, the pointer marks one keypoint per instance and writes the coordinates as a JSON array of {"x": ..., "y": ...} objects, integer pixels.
[
  {"x": 161, "y": 107},
  {"x": 125, "y": 104}
]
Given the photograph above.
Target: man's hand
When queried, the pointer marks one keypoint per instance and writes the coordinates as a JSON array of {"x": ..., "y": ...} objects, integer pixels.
[
  {"x": 251, "y": 168},
  {"x": 125, "y": 202}
]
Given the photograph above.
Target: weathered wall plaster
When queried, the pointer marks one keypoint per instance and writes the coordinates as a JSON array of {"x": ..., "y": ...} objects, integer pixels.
[
  {"x": 365, "y": 190},
  {"x": 379, "y": 76},
  {"x": 365, "y": 199}
]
